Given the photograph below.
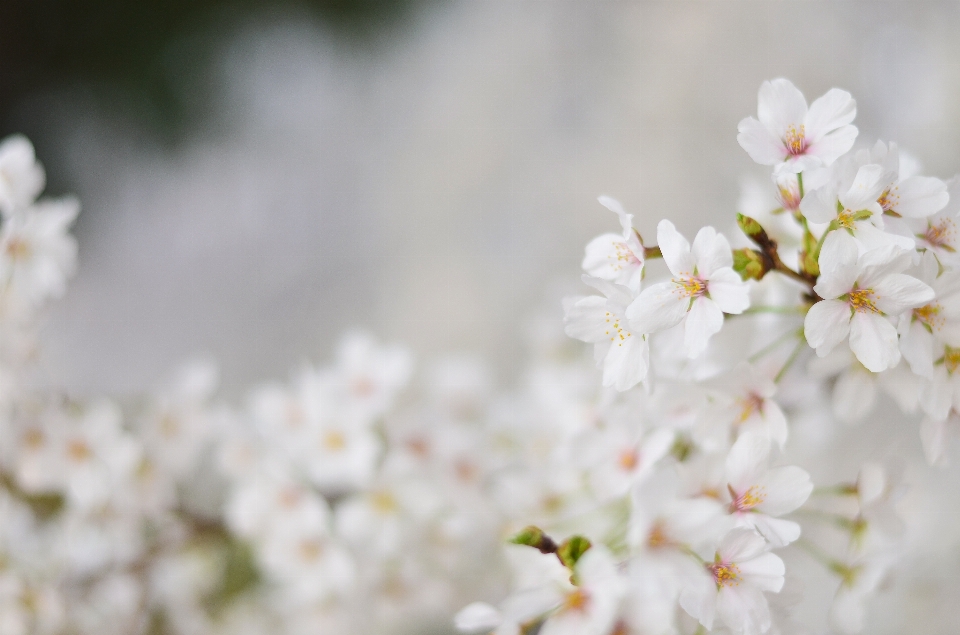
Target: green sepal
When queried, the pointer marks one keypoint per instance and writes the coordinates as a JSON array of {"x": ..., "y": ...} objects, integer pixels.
[
  {"x": 572, "y": 549},
  {"x": 749, "y": 263}
]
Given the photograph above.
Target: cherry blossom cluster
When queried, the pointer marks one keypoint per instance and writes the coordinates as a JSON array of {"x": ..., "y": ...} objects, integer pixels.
[
  {"x": 688, "y": 476},
  {"x": 676, "y": 505}
]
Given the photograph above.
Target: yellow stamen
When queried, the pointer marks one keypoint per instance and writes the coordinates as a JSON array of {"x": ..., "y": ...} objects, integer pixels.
[
  {"x": 942, "y": 235},
  {"x": 576, "y": 600},
  {"x": 863, "y": 300},
  {"x": 725, "y": 574},
  {"x": 749, "y": 499},
  {"x": 929, "y": 316},
  {"x": 691, "y": 287},
  {"x": 794, "y": 140},
  {"x": 334, "y": 440}
]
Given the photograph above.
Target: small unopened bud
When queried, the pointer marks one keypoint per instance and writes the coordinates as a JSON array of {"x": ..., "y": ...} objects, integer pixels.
[
  {"x": 749, "y": 263},
  {"x": 753, "y": 230},
  {"x": 534, "y": 537},
  {"x": 572, "y": 549}
]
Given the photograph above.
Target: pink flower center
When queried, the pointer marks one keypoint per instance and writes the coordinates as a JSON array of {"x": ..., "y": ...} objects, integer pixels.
[
  {"x": 691, "y": 287},
  {"x": 942, "y": 234},
  {"x": 749, "y": 499},
  {"x": 794, "y": 140},
  {"x": 725, "y": 574}
]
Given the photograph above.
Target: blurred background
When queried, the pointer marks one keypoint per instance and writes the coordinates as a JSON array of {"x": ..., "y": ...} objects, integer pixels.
[{"x": 259, "y": 175}]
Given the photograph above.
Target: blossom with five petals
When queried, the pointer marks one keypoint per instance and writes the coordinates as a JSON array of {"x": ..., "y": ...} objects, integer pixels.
[
  {"x": 860, "y": 296},
  {"x": 704, "y": 287},
  {"x": 793, "y": 137},
  {"x": 613, "y": 257}
]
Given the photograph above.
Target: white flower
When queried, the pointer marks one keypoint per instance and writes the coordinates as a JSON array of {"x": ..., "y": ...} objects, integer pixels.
[
  {"x": 759, "y": 494},
  {"x": 21, "y": 177},
  {"x": 859, "y": 294},
  {"x": 937, "y": 322},
  {"x": 859, "y": 581},
  {"x": 618, "y": 456},
  {"x": 704, "y": 287},
  {"x": 744, "y": 401},
  {"x": 732, "y": 586},
  {"x": 613, "y": 257},
  {"x": 619, "y": 350},
  {"x": 907, "y": 195},
  {"x": 37, "y": 252},
  {"x": 794, "y": 138},
  {"x": 853, "y": 206},
  {"x": 590, "y": 608}
]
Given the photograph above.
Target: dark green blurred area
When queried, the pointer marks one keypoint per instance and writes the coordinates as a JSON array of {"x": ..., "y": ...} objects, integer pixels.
[{"x": 143, "y": 57}]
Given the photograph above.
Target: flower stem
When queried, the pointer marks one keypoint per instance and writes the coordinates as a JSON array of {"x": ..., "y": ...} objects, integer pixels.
[
  {"x": 790, "y": 360},
  {"x": 773, "y": 345}
]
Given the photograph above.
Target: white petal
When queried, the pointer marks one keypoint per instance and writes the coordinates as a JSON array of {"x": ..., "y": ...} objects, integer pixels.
[
  {"x": 898, "y": 292},
  {"x": 703, "y": 320},
  {"x": 763, "y": 146},
  {"x": 744, "y": 610},
  {"x": 657, "y": 308},
  {"x": 711, "y": 252},
  {"x": 831, "y": 147},
  {"x": 699, "y": 599},
  {"x": 847, "y": 611},
  {"x": 839, "y": 251},
  {"x": 747, "y": 460},
  {"x": 765, "y": 571},
  {"x": 820, "y": 205},
  {"x": 626, "y": 363},
  {"x": 478, "y": 617},
  {"x": 602, "y": 256},
  {"x": 741, "y": 545},
  {"x": 936, "y": 396},
  {"x": 866, "y": 188},
  {"x": 729, "y": 291},
  {"x": 919, "y": 197},
  {"x": 833, "y": 110},
  {"x": 778, "y": 532},
  {"x": 780, "y": 105},
  {"x": 787, "y": 488},
  {"x": 826, "y": 325},
  {"x": 874, "y": 341},
  {"x": 932, "y": 434},
  {"x": 586, "y": 319},
  {"x": 877, "y": 264},
  {"x": 675, "y": 249}
]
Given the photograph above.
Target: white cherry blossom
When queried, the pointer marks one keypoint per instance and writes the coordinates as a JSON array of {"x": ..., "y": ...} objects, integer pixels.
[
  {"x": 618, "y": 258},
  {"x": 852, "y": 205},
  {"x": 760, "y": 494},
  {"x": 704, "y": 287},
  {"x": 861, "y": 294},
  {"x": 21, "y": 177},
  {"x": 733, "y": 584},
  {"x": 619, "y": 349},
  {"x": 793, "y": 137}
]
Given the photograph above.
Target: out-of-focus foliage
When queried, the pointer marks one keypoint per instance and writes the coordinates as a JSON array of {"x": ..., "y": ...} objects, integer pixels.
[{"x": 144, "y": 49}]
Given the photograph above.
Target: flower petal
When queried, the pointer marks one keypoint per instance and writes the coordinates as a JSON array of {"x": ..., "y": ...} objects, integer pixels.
[
  {"x": 729, "y": 291},
  {"x": 780, "y": 105},
  {"x": 827, "y": 324},
  {"x": 675, "y": 249},
  {"x": 657, "y": 308},
  {"x": 874, "y": 341},
  {"x": 711, "y": 251},
  {"x": 830, "y": 112},
  {"x": 703, "y": 320},
  {"x": 763, "y": 146}
]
